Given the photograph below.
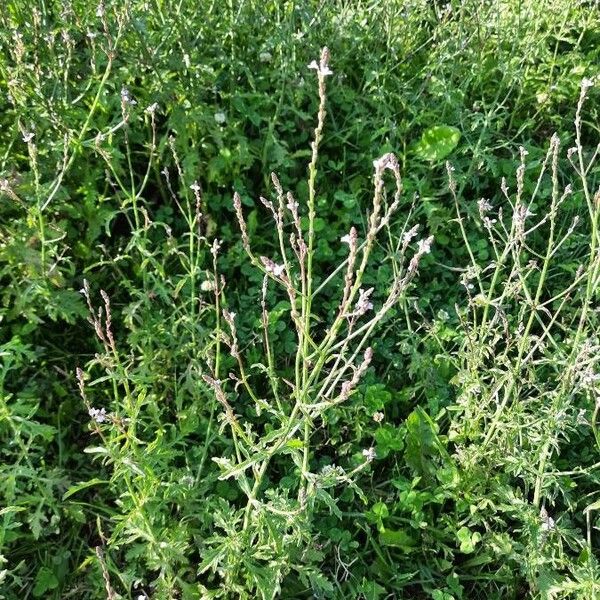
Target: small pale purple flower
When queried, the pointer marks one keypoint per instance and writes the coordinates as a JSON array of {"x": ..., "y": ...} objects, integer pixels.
[
  {"x": 98, "y": 414},
  {"x": 322, "y": 70},
  {"x": 272, "y": 267},
  {"x": 410, "y": 234},
  {"x": 363, "y": 304},
  {"x": 216, "y": 246},
  {"x": 587, "y": 83},
  {"x": 484, "y": 206},
  {"x": 387, "y": 161},
  {"x": 424, "y": 246},
  {"x": 369, "y": 454},
  {"x": 126, "y": 97}
]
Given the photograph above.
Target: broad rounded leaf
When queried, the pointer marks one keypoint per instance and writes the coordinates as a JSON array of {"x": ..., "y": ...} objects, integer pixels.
[{"x": 437, "y": 142}]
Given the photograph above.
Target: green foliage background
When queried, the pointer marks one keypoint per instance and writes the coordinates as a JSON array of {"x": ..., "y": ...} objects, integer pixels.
[{"x": 467, "y": 82}]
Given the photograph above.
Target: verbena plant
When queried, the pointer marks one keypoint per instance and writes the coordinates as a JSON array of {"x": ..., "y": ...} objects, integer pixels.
[
  {"x": 271, "y": 534},
  {"x": 524, "y": 425},
  {"x": 282, "y": 400}
]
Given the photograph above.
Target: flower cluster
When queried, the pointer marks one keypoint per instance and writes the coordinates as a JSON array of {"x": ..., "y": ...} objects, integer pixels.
[{"x": 99, "y": 415}]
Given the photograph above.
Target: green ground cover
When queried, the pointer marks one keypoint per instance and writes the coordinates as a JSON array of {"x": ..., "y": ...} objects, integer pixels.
[{"x": 299, "y": 299}]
